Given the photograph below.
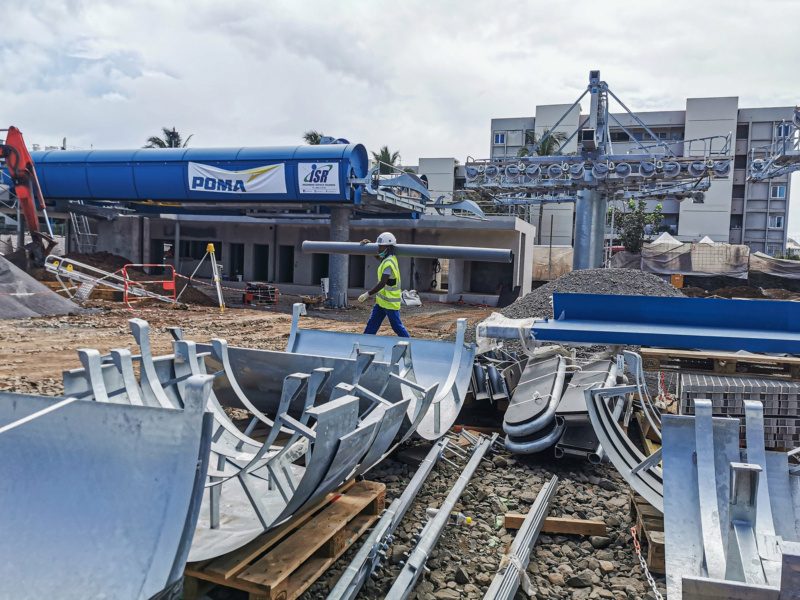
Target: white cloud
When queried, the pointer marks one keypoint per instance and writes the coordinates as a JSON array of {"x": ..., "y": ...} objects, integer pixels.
[{"x": 423, "y": 77}]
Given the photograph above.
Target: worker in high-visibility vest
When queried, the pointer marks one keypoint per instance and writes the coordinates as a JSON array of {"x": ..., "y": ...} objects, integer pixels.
[{"x": 387, "y": 292}]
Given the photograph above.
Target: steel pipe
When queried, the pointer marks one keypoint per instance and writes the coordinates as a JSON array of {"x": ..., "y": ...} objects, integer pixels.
[
  {"x": 501, "y": 255},
  {"x": 506, "y": 582},
  {"x": 433, "y": 530},
  {"x": 371, "y": 552}
]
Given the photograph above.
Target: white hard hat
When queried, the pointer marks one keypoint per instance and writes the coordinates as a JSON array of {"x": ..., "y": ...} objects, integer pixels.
[{"x": 386, "y": 239}]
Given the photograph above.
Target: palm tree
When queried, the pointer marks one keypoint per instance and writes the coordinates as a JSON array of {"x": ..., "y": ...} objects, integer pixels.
[
  {"x": 386, "y": 160},
  {"x": 313, "y": 137},
  {"x": 548, "y": 147},
  {"x": 171, "y": 139}
]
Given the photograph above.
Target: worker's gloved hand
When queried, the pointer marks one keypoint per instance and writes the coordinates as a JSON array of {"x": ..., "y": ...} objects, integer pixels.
[
  {"x": 364, "y": 242},
  {"x": 363, "y": 297}
]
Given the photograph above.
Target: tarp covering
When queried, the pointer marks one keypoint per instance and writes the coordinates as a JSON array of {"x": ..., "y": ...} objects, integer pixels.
[
  {"x": 626, "y": 260},
  {"x": 778, "y": 267},
  {"x": 665, "y": 239},
  {"x": 555, "y": 262},
  {"x": 696, "y": 259}
]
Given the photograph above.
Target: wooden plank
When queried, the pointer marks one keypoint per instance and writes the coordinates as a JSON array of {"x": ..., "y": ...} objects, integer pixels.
[
  {"x": 311, "y": 570},
  {"x": 785, "y": 368},
  {"x": 559, "y": 525},
  {"x": 230, "y": 564},
  {"x": 274, "y": 568}
]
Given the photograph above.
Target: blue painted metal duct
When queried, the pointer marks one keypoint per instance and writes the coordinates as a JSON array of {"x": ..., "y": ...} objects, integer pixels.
[
  {"x": 163, "y": 174},
  {"x": 707, "y": 323}
]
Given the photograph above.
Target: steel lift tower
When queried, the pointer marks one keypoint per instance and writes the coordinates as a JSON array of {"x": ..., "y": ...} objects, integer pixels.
[
  {"x": 596, "y": 174},
  {"x": 781, "y": 157}
]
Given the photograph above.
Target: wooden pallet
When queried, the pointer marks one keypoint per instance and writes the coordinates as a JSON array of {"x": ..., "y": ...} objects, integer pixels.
[
  {"x": 281, "y": 564},
  {"x": 650, "y": 530},
  {"x": 786, "y": 368}
]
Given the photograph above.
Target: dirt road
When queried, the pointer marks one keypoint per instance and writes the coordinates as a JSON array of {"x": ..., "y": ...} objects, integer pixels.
[{"x": 34, "y": 352}]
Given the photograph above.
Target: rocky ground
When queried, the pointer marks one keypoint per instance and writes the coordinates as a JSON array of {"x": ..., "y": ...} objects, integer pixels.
[{"x": 467, "y": 556}]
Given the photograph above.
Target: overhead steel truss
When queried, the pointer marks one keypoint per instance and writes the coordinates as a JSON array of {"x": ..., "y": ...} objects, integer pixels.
[{"x": 781, "y": 157}]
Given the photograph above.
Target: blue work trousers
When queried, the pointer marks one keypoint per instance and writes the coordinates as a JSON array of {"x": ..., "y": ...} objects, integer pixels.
[{"x": 377, "y": 316}]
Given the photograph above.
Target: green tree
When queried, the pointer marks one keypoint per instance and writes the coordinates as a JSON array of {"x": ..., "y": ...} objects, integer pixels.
[
  {"x": 313, "y": 137},
  {"x": 548, "y": 147},
  {"x": 630, "y": 225},
  {"x": 386, "y": 159},
  {"x": 171, "y": 139}
]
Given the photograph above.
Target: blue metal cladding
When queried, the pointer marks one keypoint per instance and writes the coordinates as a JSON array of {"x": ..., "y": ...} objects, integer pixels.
[
  {"x": 705, "y": 323},
  {"x": 163, "y": 174}
]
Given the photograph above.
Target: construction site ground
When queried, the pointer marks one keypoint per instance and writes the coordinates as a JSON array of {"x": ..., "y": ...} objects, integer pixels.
[{"x": 35, "y": 351}]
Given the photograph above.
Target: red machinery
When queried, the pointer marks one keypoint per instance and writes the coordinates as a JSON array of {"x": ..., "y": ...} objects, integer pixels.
[{"x": 26, "y": 186}]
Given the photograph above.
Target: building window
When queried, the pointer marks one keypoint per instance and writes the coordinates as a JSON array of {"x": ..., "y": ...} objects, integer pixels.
[
  {"x": 619, "y": 136},
  {"x": 738, "y": 191},
  {"x": 740, "y": 161},
  {"x": 773, "y": 249},
  {"x": 776, "y": 221},
  {"x": 499, "y": 138},
  {"x": 777, "y": 192},
  {"x": 783, "y": 130},
  {"x": 742, "y": 131}
]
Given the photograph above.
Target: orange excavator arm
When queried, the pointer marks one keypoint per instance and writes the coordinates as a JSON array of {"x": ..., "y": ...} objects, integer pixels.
[{"x": 26, "y": 185}]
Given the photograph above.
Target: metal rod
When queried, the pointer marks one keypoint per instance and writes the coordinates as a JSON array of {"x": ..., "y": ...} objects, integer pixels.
[
  {"x": 433, "y": 530},
  {"x": 419, "y": 251},
  {"x": 515, "y": 561},
  {"x": 369, "y": 554}
]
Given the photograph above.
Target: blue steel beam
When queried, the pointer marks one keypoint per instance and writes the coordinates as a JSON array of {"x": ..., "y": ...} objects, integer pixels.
[{"x": 707, "y": 323}]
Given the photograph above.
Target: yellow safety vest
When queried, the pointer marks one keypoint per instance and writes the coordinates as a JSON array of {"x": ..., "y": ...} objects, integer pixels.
[{"x": 389, "y": 296}]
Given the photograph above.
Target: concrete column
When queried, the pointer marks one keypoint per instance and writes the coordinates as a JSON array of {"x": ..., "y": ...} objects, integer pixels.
[
  {"x": 338, "y": 263},
  {"x": 590, "y": 226}
]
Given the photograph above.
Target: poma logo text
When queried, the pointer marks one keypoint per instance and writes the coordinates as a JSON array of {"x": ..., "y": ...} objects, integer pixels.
[
  {"x": 318, "y": 175},
  {"x": 219, "y": 185}
]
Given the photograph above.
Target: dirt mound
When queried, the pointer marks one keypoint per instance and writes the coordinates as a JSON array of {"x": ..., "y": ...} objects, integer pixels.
[
  {"x": 739, "y": 291},
  {"x": 780, "y": 294},
  {"x": 30, "y": 298},
  {"x": 618, "y": 282},
  {"x": 694, "y": 292}
]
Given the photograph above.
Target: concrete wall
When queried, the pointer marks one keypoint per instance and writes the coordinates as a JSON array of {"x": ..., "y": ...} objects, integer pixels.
[
  {"x": 709, "y": 117},
  {"x": 547, "y": 115},
  {"x": 125, "y": 234},
  {"x": 440, "y": 173}
]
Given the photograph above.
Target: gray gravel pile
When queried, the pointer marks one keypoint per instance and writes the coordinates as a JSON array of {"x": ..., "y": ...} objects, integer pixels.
[
  {"x": 16, "y": 281},
  {"x": 617, "y": 282},
  {"x": 467, "y": 556}
]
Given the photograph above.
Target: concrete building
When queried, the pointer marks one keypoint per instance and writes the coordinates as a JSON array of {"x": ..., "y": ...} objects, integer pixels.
[
  {"x": 270, "y": 250},
  {"x": 734, "y": 210}
]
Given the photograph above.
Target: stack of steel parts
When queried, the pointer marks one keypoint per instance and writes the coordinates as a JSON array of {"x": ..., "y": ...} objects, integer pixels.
[
  {"x": 496, "y": 374},
  {"x": 515, "y": 561},
  {"x": 100, "y": 498},
  {"x": 427, "y": 538},
  {"x": 731, "y": 519},
  {"x": 643, "y": 473},
  {"x": 548, "y": 406},
  {"x": 444, "y": 366},
  {"x": 781, "y": 400},
  {"x": 340, "y": 415},
  {"x": 578, "y": 438}
]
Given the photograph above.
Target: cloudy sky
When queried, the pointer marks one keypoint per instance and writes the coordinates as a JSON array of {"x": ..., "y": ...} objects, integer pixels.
[{"x": 424, "y": 78}]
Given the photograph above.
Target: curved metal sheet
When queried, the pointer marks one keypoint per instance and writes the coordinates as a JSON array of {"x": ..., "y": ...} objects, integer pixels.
[
  {"x": 683, "y": 531},
  {"x": 431, "y": 360},
  {"x": 106, "y": 524},
  {"x": 625, "y": 456}
]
